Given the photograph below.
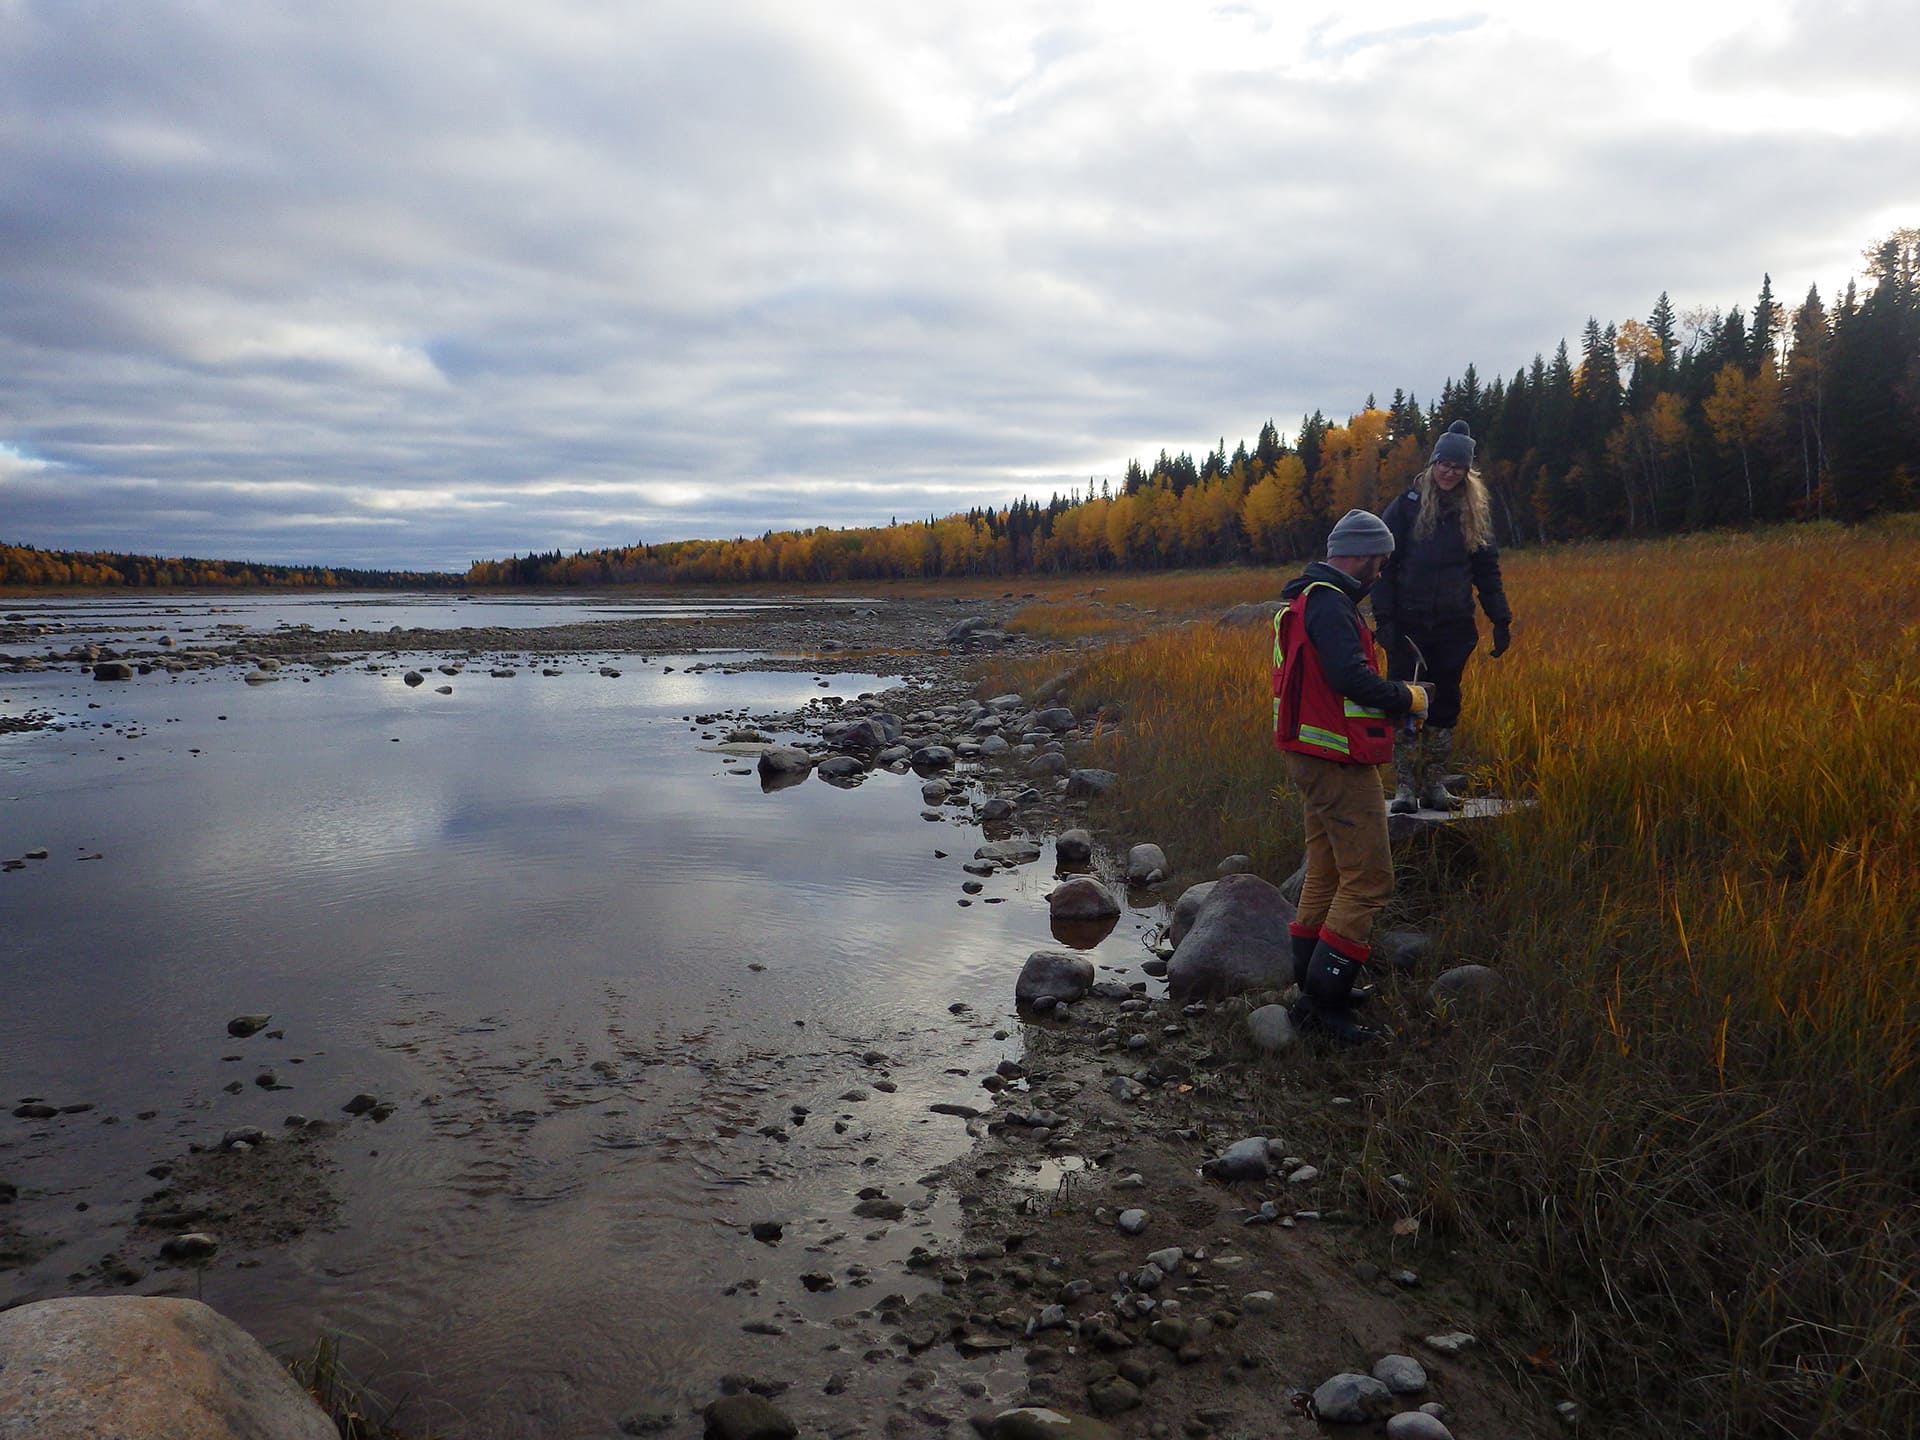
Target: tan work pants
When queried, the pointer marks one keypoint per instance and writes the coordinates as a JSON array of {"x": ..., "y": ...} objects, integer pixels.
[{"x": 1349, "y": 860}]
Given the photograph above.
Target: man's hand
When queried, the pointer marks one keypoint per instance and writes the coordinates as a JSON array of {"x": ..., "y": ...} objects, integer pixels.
[
  {"x": 1419, "y": 698},
  {"x": 1502, "y": 638}
]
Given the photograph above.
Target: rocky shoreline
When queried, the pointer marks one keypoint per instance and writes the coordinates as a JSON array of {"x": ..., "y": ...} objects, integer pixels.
[{"x": 1145, "y": 1264}]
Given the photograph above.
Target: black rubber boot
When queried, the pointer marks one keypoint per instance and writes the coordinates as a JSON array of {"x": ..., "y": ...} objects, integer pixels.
[
  {"x": 1303, "y": 948},
  {"x": 1327, "y": 999}
]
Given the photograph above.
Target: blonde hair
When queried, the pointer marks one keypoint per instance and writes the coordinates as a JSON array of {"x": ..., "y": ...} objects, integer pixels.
[{"x": 1469, "y": 499}]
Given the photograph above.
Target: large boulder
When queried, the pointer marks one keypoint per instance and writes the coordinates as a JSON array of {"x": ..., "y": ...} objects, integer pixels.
[
  {"x": 1057, "y": 718},
  {"x": 143, "y": 1368},
  {"x": 1238, "y": 941},
  {"x": 1073, "y": 847},
  {"x": 1055, "y": 974},
  {"x": 1081, "y": 898},
  {"x": 962, "y": 631},
  {"x": 1186, "y": 907}
]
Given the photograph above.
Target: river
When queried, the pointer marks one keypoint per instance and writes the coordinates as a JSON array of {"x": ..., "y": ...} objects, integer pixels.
[{"x": 586, "y": 958}]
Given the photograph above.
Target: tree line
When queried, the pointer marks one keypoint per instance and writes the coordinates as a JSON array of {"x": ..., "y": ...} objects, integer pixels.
[
  {"x": 1683, "y": 420},
  {"x": 1679, "y": 421},
  {"x": 26, "y": 566}
]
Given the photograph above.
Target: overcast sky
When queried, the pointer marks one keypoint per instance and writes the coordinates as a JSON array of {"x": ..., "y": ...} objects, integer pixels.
[{"x": 410, "y": 284}]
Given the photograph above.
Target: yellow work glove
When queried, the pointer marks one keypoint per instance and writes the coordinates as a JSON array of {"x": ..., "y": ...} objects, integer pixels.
[{"x": 1419, "y": 697}]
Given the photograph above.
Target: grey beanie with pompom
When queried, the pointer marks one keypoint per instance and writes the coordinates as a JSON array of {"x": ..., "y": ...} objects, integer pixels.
[{"x": 1455, "y": 447}]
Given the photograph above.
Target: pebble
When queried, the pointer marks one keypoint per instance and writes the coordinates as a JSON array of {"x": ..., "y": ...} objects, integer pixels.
[
  {"x": 1259, "y": 1302},
  {"x": 1451, "y": 1343},
  {"x": 1132, "y": 1222},
  {"x": 194, "y": 1245},
  {"x": 1305, "y": 1175},
  {"x": 1417, "y": 1425}
]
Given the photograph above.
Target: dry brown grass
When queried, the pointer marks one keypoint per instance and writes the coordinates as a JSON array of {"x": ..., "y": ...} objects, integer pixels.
[{"x": 1684, "y": 1160}]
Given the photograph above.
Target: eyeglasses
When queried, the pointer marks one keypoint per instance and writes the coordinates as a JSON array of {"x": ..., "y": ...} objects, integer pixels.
[{"x": 1454, "y": 466}]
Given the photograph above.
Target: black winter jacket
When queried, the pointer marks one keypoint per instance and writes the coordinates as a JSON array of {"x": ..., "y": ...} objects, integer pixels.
[
  {"x": 1333, "y": 629},
  {"x": 1431, "y": 581}
]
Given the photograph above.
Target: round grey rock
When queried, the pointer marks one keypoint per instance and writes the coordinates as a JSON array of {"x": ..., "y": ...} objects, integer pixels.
[
  {"x": 1146, "y": 865},
  {"x": 1402, "y": 1374},
  {"x": 1350, "y": 1399},
  {"x": 1464, "y": 987},
  {"x": 1073, "y": 847},
  {"x": 1082, "y": 898},
  {"x": 1054, "y": 975},
  {"x": 1417, "y": 1425},
  {"x": 1271, "y": 1027}
]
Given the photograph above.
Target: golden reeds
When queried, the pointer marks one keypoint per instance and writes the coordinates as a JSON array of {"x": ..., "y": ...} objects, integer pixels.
[{"x": 1685, "y": 1157}]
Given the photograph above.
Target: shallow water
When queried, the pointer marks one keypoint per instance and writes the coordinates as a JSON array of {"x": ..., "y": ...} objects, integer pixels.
[
  {"x": 527, "y": 913},
  {"x": 203, "y": 618}
]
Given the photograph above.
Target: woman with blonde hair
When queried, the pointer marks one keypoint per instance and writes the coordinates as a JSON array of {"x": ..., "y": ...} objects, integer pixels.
[{"x": 1423, "y": 606}]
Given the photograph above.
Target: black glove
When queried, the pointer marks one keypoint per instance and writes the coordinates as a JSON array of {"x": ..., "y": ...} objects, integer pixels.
[{"x": 1502, "y": 638}]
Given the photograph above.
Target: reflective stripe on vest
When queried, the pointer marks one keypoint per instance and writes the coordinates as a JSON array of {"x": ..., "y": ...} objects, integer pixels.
[
  {"x": 1313, "y": 734},
  {"x": 1365, "y": 712}
]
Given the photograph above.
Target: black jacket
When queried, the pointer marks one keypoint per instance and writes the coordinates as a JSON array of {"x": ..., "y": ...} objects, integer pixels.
[
  {"x": 1333, "y": 629},
  {"x": 1431, "y": 581}
]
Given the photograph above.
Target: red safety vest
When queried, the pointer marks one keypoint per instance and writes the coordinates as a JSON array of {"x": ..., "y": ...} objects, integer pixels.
[{"x": 1309, "y": 715}]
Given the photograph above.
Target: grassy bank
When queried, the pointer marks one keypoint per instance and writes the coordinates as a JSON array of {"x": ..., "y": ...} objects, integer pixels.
[{"x": 1684, "y": 1159}]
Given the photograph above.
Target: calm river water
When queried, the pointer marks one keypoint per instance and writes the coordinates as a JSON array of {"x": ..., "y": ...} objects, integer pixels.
[{"x": 587, "y": 962}]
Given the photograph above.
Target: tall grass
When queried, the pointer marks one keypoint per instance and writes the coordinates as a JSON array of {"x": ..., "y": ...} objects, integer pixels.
[{"x": 1684, "y": 1156}]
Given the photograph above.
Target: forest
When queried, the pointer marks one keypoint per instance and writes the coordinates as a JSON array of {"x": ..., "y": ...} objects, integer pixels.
[
  {"x": 25, "y": 567},
  {"x": 1682, "y": 421}
]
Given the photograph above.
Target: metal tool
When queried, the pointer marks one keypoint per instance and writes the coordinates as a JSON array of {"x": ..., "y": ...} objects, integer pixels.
[{"x": 1413, "y": 722}]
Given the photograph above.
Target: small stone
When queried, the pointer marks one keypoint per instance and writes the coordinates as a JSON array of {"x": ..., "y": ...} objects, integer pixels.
[
  {"x": 1417, "y": 1425},
  {"x": 1113, "y": 1396},
  {"x": 241, "y": 1026},
  {"x": 1259, "y": 1302},
  {"x": 1451, "y": 1343},
  {"x": 194, "y": 1245},
  {"x": 767, "y": 1232},
  {"x": 361, "y": 1103},
  {"x": 1305, "y": 1175},
  {"x": 1132, "y": 1222}
]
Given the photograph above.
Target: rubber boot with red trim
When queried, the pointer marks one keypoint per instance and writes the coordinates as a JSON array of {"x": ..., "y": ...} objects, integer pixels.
[{"x": 1327, "y": 998}]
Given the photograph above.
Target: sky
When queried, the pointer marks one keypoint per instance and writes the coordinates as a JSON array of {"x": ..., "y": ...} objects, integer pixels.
[{"x": 408, "y": 283}]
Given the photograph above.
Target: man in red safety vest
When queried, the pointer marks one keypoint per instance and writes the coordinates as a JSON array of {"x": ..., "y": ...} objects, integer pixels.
[{"x": 1333, "y": 715}]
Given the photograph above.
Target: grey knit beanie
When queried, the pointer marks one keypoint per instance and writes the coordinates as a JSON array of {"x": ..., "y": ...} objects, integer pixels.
[
  {"x": 1359, "y": 532},
  {"x": 1455, "y": 447}
]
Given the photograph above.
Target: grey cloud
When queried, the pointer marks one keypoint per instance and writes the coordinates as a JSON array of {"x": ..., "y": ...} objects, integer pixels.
[{"x": 414, "y": 286}]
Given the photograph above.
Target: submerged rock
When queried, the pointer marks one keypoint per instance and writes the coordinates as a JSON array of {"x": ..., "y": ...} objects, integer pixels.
[{"x": 1082, "y": 898}]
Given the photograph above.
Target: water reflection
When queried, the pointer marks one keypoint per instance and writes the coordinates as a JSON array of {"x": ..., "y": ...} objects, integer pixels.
[{"x": 595, "y": 971}]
